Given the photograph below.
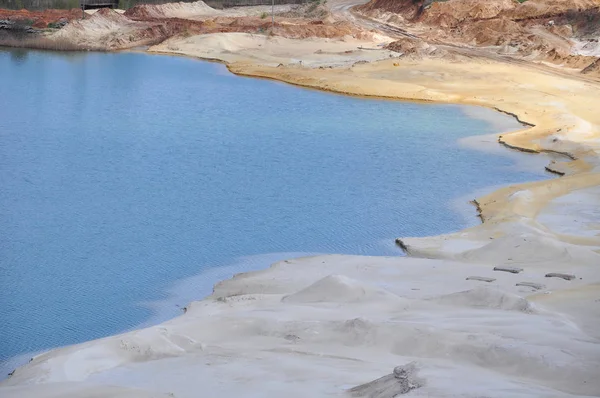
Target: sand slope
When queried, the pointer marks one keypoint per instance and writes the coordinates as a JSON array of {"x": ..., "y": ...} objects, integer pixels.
[
  {"x": 245, "y": 47},
  {"x": 193, "y": 10},
  {"x": 329, "y": 323}
]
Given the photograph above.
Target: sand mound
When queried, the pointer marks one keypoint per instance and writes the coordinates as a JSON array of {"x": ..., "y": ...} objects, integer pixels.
[
  {"x": 408, "y": 8},
  {"x": 592, "y": 69},
  {"x": 442, "y": 14},
  {"x": 321, "y": 30},
  {"x": 407, "y": 45},
  {"x": 455, "y": 12},
  {"x": 171, "y": 10},
  {"x": 492, "y": 32},
  {"x": 103, "y": 22},
  {"x": 530, "y": 29},
  {"x": 547, "y": 8},
  {"x": 98, "y": 31},
  {"x": 415, "y": 48},
  {"x": 338, "y": 289},
  {"x": 487, "y": 297},
  {"x": 109, "y": 30},
  {"x": 565, "y": 58}
]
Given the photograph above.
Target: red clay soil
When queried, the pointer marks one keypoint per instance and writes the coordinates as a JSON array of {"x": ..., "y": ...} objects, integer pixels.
[{"x": 40, "y": 19}]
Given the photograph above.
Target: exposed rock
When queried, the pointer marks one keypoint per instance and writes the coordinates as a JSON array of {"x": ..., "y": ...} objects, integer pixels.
[
  {"x": 533, "y": 285},
  {"x": 566, "y": 277},
  {"x": 480, "y": 278},
  {"x": 512, "y": 270},
  {"x": 402, "y": 380}
]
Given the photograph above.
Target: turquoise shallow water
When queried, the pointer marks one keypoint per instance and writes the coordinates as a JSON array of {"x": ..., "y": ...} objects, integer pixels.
[{"x": 121, "y": 175}]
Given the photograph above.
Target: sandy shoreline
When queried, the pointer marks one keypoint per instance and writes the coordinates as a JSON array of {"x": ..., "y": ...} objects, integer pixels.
[{"x": 318, "y": 326}]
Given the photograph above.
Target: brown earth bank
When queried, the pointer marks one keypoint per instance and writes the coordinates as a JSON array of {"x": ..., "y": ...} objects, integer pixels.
[
  {"x": 593, "y": 68},
  {"x": 561, "y": 32},
  {"x": 24, "y": 28},
  {"x": 152, "y": 24},
  {"x": 40, "y": 19}
]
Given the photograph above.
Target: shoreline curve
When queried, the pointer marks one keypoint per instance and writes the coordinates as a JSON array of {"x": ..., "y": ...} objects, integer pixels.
[{"x": 509, "y": 216}]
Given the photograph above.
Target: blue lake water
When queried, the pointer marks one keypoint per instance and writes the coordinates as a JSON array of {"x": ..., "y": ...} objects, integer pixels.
[{"x": 121, "y": 175}]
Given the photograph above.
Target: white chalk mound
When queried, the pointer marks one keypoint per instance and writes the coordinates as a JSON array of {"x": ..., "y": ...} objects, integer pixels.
[
  {"x": 487, "y": 297},
  {"x": 339, "y": 289}
]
